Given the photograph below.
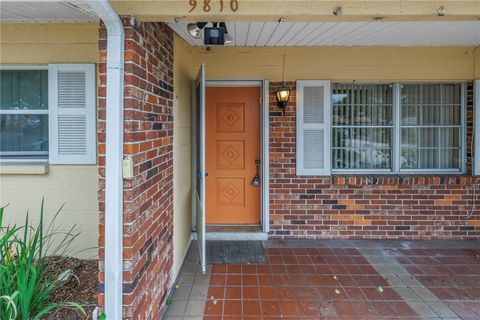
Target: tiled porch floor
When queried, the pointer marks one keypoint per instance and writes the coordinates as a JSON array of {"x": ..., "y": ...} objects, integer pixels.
[{"x": 337, "y": 280}]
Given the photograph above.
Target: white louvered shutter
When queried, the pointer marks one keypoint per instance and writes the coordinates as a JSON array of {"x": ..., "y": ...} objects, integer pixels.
[
  {"x": 72, "y": 114},
  {"x": 313, "y": 127}
]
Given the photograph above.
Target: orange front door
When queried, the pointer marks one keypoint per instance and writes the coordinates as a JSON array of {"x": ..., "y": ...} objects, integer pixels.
[{"x": 232, "y": 146}]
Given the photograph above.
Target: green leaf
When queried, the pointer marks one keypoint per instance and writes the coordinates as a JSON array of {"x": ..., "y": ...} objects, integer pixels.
[{"x": 54, "y": 306}]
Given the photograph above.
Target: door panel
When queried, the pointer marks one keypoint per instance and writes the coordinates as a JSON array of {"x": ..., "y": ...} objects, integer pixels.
[
  {"x": 199, "y": 108},
  {"x": 232, "y": 146}
]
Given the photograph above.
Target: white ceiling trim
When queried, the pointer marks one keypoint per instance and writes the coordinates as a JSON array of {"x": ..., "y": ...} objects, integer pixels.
[
  {"x": 49, "y": 11},
  {"x": 374, "y": 33}
]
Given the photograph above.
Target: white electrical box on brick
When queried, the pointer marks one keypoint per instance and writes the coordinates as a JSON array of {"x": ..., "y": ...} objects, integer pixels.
[{"x": 128, "y": 168}]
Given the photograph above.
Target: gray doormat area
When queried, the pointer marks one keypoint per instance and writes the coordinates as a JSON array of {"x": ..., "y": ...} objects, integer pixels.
[{"x": 237, "y": 252}]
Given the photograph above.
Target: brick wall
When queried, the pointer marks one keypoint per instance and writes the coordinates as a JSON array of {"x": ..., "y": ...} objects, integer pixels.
[
  {"x": 364, "y": 207},
  {"x": 148, "y": 135}
]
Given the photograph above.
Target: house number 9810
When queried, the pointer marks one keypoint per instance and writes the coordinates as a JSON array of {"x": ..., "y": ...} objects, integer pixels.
[{"x": 206, "y": 5}]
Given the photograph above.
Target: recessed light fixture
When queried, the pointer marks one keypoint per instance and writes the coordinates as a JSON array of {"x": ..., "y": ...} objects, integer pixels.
[
  {"x": 337, "y": 10},
  {"x": 442, "y": 11},
  {"x": 194, "y": 31},
  {"x": 217, "y": 34}
]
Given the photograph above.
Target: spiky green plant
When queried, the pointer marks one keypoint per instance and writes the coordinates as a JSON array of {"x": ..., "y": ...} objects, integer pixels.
[{"x": 26, "y": 278}]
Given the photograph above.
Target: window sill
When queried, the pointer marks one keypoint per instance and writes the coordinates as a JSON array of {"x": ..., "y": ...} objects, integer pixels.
[
  {"x": 401, "y": 179},
  {"x": 26, "y": 168}
]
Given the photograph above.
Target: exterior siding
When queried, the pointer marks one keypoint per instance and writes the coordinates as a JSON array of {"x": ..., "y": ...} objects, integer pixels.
[
  {"x": 148, "y": 139},
  {"x": 75, "y": 186},
  {"x": 361, "y": 206},
  {"x": 368, "y": 64},
  {"x": 182, "y": 152}
]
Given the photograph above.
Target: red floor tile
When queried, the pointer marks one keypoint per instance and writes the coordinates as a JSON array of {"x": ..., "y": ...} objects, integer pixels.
[
  {"x": 251, "y": 293},
  {"x": 270, "y": 308},
  {"x": 319, "y": 283},
  {"x": 252, "y": 307},
  {"x": 232, "y": 307},
  {"x": 289, "y": 308},
  {"x": 233, "y": 292}
]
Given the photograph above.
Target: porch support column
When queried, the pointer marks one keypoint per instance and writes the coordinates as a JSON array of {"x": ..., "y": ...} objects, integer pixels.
[{"x": 113, "y": 224}]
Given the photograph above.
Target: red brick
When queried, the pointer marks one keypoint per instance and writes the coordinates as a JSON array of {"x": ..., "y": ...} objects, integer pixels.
[{"x": 364, "y": 207}]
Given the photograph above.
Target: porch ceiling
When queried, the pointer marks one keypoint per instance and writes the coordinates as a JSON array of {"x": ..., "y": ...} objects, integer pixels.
[
  {"x": 46, "y": 11},
  {"x": 359, "y": 33}
]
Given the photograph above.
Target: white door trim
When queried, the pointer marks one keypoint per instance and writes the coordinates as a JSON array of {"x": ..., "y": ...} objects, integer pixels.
[
  {"x": 264, "y": 136},
  {"x": 476, "y": 123}
]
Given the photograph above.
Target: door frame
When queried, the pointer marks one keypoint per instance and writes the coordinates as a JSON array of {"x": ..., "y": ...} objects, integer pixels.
[{"x": 264, "y": 143}]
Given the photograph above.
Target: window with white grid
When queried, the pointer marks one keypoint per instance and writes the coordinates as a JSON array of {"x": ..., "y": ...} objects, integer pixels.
[
  {"x": 431, "y": 127},
  {"x": 393, "y": 127},
  {"x": 362, "y": 126}
]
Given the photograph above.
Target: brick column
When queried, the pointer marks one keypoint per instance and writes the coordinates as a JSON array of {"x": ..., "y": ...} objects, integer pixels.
[{"x": 148, "y": 138}]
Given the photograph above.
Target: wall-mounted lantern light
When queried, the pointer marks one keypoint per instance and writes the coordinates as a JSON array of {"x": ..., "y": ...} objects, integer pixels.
[{"x": 283, "y": 94}]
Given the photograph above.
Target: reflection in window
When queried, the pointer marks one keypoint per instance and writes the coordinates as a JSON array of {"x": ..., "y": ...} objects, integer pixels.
[
  {"x": 431, "y": 126},
  {"x": 362, "y": 123},
  {"x": 23, "y": 113}
]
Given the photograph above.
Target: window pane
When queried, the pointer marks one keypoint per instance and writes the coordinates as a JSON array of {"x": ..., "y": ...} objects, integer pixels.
[
  {"x": 362, "y": 117},
  {"x": 449, "y": 137},
  {"x": 449, "y": 158},
  {"x": 430, "y": 94},
  {"x": 409, "y": 138},
  {"x": 451, "y": 115},
  {"x": 431, "y": 126},
  {"x": 428, "y": 159},
  {"x": 379, "y": 138},
  {"x": 23, "y": 133},
  {"x": 24, "y": 90},
  {"x": 409, "y": 115},
  {"x": 355, "y": 159},
  {"x": 428, "y": 137},
  {"x": 430, "y": 115},
  {"x": 452, "y": 93},
  {"x": 409, "y": 159}
]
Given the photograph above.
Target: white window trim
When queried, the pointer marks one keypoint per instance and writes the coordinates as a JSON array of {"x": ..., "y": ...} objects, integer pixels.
[
  {"x": 326, "y": 126},
  {"x": 396, "y": 170}
]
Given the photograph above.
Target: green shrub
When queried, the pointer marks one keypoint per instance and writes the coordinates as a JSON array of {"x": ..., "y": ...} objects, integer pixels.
[{"x": 26, "y": 279}]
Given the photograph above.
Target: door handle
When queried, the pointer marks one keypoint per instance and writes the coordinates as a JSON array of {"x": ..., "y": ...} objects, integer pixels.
[{"x": 256, "y": 178}]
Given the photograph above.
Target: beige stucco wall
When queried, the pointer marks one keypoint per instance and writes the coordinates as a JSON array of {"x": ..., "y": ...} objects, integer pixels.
[
  {"x": 341, "y": 63},
  {"x": 476, "y": 70},
  {"x": 182, "y": 204},
  {"x": 74, "y": 185}
]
